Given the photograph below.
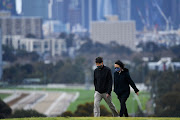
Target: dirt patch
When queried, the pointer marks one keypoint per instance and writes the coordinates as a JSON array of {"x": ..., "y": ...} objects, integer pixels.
[{"x": 12, "y": 102}]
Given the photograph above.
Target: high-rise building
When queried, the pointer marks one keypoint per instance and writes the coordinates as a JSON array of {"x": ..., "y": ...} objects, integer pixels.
[
  {"x": 85, "y": 11},
  {"x": 89, "y": 12},
  {"x": 171, "y": 9},
  {"x": 123, "y": 8},
  {"x": 122, "y": 32},
  {"x": 8, "y": 5},
  {"x": 59, "y": 10},
  {"x": 74, "y": 16},
  {"x": 35, "y": 8},
  {"x": 74, "y": 13},
  {"x": 93, "y": 10},
  {"x": 21, "y": 26}
]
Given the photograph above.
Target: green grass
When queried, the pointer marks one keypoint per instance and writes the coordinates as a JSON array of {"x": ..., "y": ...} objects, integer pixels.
[
  {"x": 99, "y": 118},
  {"x": 3, "y": 96},
  {"x": 88, "y": 96}
]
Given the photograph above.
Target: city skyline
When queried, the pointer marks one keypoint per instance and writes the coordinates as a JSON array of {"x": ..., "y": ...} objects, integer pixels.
[{"x": 146, "y": 14}]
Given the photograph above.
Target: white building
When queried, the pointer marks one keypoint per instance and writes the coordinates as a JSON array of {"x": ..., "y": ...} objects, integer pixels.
[
  {"x": 55, "y": 47},
  {"x": 164, "y": 64},
  {"x": 122, "y": 32}
]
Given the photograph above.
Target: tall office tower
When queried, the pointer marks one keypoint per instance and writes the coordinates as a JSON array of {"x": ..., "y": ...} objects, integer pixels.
[
  {"x": 85, "y": 11},
  {"x": 58, "y": 10},
  {"x": 104, "y": 8},
  {"x": 35, "y": 8},
  {"x": 171, "y": 9},
  {"x": 123, "y": 8},
  {"x": 93, "y": 10},
  {"x": 8, "y": 5},
  {"x": 89, "y": 12},
  {"x": 74, "y": 13}
]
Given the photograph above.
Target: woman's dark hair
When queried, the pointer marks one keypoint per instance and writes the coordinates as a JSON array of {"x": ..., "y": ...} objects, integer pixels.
[
  {"x": 99, "y": 60},
  {"x": 121, "y": 64}
]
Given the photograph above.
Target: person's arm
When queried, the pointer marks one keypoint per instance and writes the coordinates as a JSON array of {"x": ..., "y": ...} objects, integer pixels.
[
  {"x": 130, "y": 81},
  {"x": 95, "y": 81},
  {"x": 109, "y": 82}
]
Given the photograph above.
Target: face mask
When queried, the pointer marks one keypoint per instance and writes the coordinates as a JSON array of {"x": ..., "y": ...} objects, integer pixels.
[
  {"x": 99, "y": 67},
  {"x": 117, "y": 69}
]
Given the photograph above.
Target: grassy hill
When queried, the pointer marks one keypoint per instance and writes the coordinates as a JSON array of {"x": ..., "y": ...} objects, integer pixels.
[
  {"x": 92, "y": 118},
  {"x": 88, "y": 96}
]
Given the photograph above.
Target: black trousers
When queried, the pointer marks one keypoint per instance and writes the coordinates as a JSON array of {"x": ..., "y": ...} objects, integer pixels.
[{"x": 123, "y": 110}]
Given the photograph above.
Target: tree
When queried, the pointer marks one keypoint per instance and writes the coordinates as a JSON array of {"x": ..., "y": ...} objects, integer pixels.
[
  {"x": 5, "y": 110},
  {"x": 63, "y": 35},
  {"x": 86, "y": 110},
  {"x": 69, "y": 73},
  {"x": 26, "y": 113},
  {"x": 69, "y": 40},
  {"x": 86, "y": 47},
  {"x": 165, "y": 92},
  {"x": 30, "y": 36},
  {"x": 169, "y": 105},
  {"x": 67, "y": 114},
  {"x": 8, "y": 54},
  {"x": 175, "y": 50}
]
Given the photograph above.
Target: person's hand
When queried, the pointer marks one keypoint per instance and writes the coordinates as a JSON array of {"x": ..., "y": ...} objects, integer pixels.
[
  {"x": 107, "y": 95},
  {"x": 137, "y": 93}
]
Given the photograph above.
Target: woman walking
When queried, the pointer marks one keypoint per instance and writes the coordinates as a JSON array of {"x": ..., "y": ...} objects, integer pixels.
[{"x": 122, "y": 80}]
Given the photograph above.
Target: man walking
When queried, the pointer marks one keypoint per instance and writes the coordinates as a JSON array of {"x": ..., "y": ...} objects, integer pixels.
[{"x": 103, "y": 87}]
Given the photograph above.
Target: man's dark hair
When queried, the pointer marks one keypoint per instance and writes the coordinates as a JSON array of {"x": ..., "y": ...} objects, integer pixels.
[
  {"x": 120, "y": 64},
  {"x": 99, "y": 60}
]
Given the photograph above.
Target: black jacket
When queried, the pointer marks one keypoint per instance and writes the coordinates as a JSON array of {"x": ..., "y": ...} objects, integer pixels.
[
  {"x": 121, "y": 83},
  {"x": 103, "y": 80}
]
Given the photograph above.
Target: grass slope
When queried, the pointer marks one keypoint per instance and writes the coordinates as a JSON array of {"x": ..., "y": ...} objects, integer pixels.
[
  {"x": 2, "y": 95},
  {"x": 88, "y": 96}
]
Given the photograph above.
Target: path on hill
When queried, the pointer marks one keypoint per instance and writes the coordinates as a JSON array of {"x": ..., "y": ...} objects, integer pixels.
[{"x": 48, "y": 103}]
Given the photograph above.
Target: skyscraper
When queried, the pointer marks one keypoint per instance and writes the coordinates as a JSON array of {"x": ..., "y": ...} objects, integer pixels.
[
  {"x": 171, "y": 9},
  {"x": 123, "y": 8},
  {"x": 60, "y": 10},
  {"x": 74, "y": 13},
  {"x": 89, "y": 12},
  {"x": 35, "y": 8},
  {"x": 93, "y": 9},
  {"x": 8, "y": 5},
  {"x": 85, "y": 11},
  {"x": 105, "y": 8}
]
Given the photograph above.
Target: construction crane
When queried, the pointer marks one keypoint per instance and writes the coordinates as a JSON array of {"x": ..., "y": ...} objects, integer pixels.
[
  {"x": 163, "y": 15},
  {"x": 142, "y": 18}
]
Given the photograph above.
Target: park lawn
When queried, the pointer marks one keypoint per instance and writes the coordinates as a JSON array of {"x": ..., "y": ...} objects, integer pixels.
[
  {"x": 88, "y": 96},
  {"x": 99, "y": 118},
  {"x": 3, "y": 96}
]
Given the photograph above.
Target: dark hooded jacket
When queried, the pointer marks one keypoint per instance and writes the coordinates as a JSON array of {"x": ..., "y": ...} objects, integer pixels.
[
  {"x": 121, "y": 83},
  {"x": 103, "y": 80}
]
